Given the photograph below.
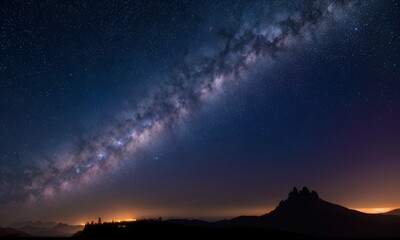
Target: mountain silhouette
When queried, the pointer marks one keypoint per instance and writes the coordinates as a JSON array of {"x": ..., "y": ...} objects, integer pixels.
[{"x": 303, "y": 213}]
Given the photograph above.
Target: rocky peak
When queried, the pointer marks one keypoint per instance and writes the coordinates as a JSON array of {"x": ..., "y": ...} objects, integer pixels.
[
  {"x": 299, "y": 198},
  {"x": 303, "y": 194}
]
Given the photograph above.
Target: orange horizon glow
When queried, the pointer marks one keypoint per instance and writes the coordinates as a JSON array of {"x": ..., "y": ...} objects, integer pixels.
[
  {"x": 374, "y": 210},
  {"x": 129, "y": 214},
  {"x": 215, "y": 215},
  {"x": 113, "y": 220}
]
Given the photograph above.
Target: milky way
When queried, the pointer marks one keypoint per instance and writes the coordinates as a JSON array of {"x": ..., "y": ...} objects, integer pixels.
[{"x": 192, "y": 84}]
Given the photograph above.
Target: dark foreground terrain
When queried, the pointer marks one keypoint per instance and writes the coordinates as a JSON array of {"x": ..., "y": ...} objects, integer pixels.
[
  {"x": 173, "y": 230},
  {"x": 303, "y": 214}
]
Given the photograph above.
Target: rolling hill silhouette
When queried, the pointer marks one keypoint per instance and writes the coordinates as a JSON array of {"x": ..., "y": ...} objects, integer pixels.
[
  {"x": 10, "y": 232},
  {"x": 393, "y": 212},
  {"x": 303, "y": 213},
  {"x": 46, "y": 229}
]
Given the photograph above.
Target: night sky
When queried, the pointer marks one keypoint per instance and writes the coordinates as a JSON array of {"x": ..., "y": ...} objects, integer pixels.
[{"x": 200, "y": 109}]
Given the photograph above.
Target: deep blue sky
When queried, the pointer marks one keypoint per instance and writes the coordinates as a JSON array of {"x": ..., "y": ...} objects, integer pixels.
[{"x": 325, "y": 115}]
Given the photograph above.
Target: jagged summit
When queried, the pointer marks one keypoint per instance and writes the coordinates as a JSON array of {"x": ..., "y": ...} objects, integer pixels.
[
  {"x": 299, "y": 198},
  {"x": 304, "y": 194}
]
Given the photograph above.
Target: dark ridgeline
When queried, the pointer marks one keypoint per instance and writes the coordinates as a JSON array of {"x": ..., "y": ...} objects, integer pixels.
[
  {"x": 11, "y": 233},
  {"x": 304, "y": 213},
  {"x": 45, "y": 229},
  {"x": 393, "y": 212}
]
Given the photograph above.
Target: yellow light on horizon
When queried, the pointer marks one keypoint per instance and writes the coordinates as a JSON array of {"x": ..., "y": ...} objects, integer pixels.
[
  {"x": 126, "y": 220},
  {"x": 130, "y": 220},
  {"x": 374, "y": 210}
]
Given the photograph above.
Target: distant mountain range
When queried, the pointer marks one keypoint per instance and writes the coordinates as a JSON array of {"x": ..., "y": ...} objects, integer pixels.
[
  {"x": 46, "y": 229},
  {"x": 10, "y": 232},
  {"x": 303, "y": 213},
  {"x": 38, "y": 224}
]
